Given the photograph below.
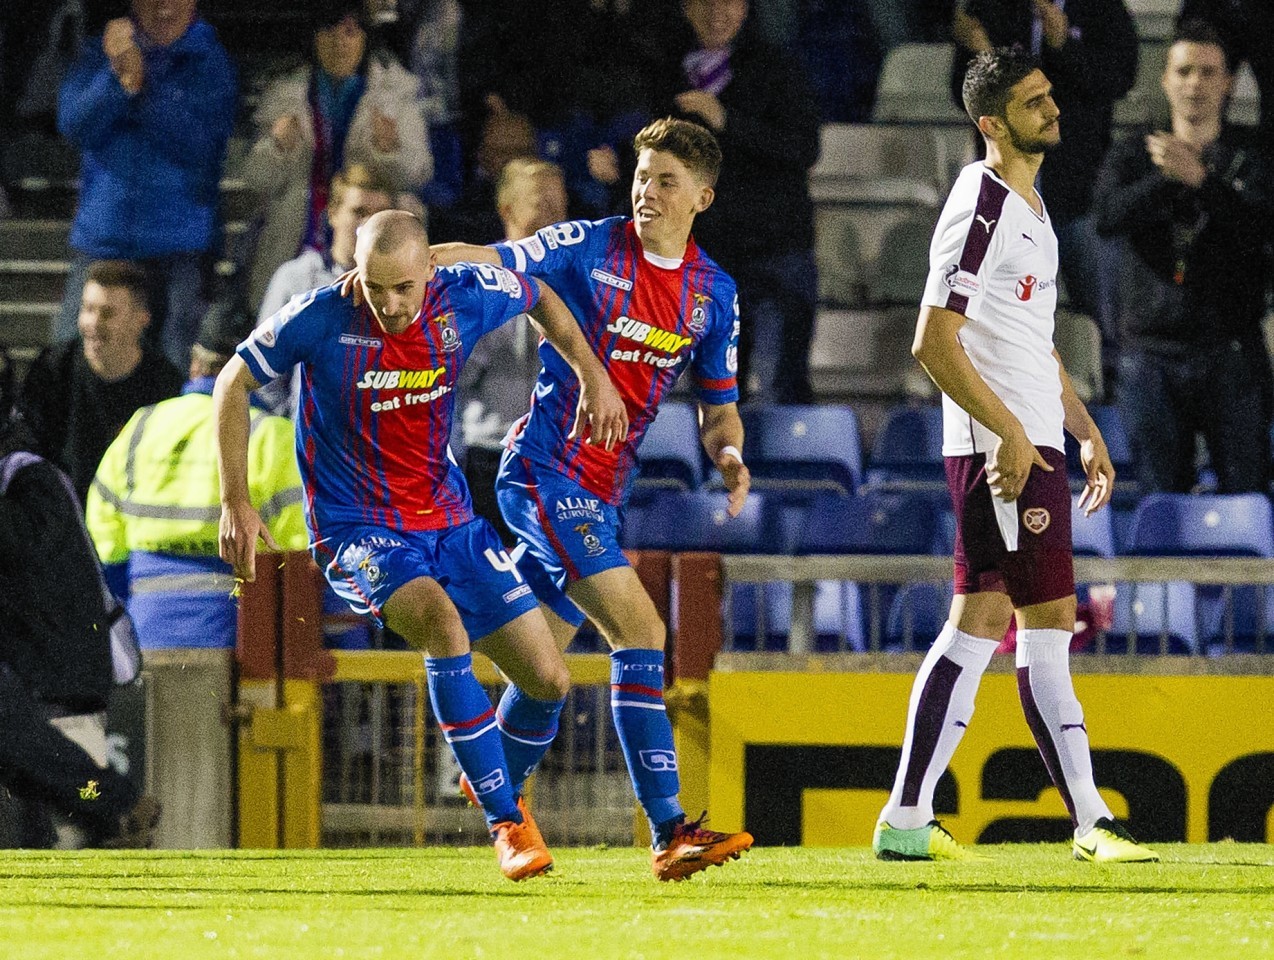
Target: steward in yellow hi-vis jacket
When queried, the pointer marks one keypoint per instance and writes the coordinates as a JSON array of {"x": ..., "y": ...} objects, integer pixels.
[{"x": 155, "y": 502}]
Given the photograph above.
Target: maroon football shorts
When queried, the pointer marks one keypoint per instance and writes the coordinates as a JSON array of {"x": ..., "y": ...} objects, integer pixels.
[{"x": 1021, "y": 548}]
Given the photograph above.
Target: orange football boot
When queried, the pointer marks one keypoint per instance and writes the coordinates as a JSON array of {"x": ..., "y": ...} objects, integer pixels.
[{"x": 694, "y": 848}]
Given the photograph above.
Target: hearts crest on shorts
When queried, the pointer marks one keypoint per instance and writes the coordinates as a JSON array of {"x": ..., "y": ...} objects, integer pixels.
[{"x": 1036, "y": 519}]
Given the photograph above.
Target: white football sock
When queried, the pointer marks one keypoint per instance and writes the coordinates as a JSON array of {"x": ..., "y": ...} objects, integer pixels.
[
  {"x": 1057, "y": 720},
  {"x": 940, "y": 709}
]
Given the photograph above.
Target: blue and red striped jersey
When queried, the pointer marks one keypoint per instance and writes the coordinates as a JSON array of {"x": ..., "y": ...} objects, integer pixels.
[
  {"x": 375, "y": 410},
  {"x": 645, "y": 317}
]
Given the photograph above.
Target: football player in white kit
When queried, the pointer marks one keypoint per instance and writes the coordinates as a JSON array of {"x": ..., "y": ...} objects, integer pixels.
[{"x": 985, "y": 336}]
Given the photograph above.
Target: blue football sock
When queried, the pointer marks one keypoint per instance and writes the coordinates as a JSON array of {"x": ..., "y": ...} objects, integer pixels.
[
  {"x": 637, "y": 703},
  {"x": 468, "y": 725},
  {"x": 527, "y": 727}
]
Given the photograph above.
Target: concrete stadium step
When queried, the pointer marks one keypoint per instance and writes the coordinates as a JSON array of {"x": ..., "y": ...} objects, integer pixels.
[
  {"x": 865, "y": 352},
  {"x": 39, "y": 281},
  {"x": 22, "y": 239},
  {"x": 34, "y": 239},
  {"x": 40, "y": 198},
  {"x": 26, "y": 326}
]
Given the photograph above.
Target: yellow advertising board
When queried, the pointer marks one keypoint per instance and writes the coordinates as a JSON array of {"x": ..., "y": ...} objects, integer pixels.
[{"x": 809, "y": 758}]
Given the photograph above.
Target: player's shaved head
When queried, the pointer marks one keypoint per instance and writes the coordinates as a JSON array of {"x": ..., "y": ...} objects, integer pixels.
[
  {"x": 395, "y": 266},
  {"x": 389, "y": 231}
]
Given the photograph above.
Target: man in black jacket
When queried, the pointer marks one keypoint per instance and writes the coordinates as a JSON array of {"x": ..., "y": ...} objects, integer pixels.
[
  {"x": 759, "y": 103},
  {"x": 1195, "y": 206},
  {"x": 78, "y": 395},
  {"x": 56, "y": 625},
  {"x": 1088, "y": 48}
]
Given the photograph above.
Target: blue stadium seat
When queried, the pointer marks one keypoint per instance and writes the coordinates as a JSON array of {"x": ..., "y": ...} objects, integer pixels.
[
  {"x": 1179, "y": 524},
  {"x": 670, "y": 454},
  {"x": 697, "y": 520},
  {"x": 1144, "y": 611},
  {"x": 944, "y": 535},
  {"x": 838, "y": 612},
  {"x": 919, "y": 609},
  {"x": 1092, "y": 536},
  {"x": 1111, "y": 424},
  {"x": 1253, "y": 620},
  {"x": 877, "y": 522},
  {"x": 1190, "y": 525},
  {"x": 908, "y": 449},
  {"x": 803, "y": 447}
]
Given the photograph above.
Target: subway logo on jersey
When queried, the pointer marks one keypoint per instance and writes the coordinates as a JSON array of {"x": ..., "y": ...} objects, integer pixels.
[
  {"x": 654, "y": 337},
  {"x": 401, "y": 379}
]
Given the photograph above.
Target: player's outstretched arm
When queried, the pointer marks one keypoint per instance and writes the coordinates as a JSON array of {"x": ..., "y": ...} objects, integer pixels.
[
  {"x": 601, "y": 409},
  {"x": 449, "y": 254},
  {"x": 937, "y": 347},
  {"x": 1093, "y": 455},
  {"x": 721, "y": 433},
  {"x": 240, "y": 522}
]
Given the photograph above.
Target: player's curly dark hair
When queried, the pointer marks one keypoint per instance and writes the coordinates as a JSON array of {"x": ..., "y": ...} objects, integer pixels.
[
  {"x": 693, "y": 145},
  {"x": 989, "y": 78}
]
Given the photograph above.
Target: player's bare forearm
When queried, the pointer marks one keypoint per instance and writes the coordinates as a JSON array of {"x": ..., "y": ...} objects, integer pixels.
[
  {"x": 1077, "y": 421},
  {"x": 938, "y": 349},
  {"x": 554, "y": 319},
  {"x": 601, "y": 407},
  {"x": 721, "y": 433},
  {"x": 240, "y": 523},
  {"x": 1099, "y": 471},
  {"x": 720, "y": 426},
  {"x": 449, "y": 254},
  {"x": 230, "y": 406}
]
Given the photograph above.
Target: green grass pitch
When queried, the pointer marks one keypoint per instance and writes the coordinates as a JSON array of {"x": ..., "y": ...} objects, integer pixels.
[{"x": 1031, "y": 902}]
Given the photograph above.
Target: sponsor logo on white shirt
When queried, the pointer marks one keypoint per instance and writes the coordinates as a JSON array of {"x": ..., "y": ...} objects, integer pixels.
[{"x": 961, "y": 281}]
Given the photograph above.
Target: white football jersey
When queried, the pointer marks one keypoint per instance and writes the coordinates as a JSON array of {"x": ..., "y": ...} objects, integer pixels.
[{"x": 994, "y": 260}]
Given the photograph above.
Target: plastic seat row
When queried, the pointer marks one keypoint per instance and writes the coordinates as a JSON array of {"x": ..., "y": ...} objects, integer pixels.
[
  {"x": 815, "y": 448},
  {"x": 808, "y": 448}
]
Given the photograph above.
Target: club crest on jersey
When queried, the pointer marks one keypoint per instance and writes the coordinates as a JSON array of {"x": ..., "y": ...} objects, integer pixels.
[
  {"x": 448, "y": 332},
  {"x": 592, "y": 543},
  {"x": 699, "y": 316},
  {"x": 360, "y": 558},
  {"x": 1036, "y": 520}
]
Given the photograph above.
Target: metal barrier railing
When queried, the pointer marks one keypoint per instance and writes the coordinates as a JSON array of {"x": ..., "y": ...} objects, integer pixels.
[
  {"x": 880, "y": 575},
  {"x": 389, "y": 778}
]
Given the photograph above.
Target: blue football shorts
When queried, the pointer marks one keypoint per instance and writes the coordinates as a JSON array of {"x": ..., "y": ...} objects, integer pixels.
[
  {"x": 565, "y": 533},
  {"x": 366, "y": 564}
]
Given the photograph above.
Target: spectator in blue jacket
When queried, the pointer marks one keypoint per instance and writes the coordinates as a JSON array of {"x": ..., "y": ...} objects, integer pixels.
[{"x": 151, "y": 103}]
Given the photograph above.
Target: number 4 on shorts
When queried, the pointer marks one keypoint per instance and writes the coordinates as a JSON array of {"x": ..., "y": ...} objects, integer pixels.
[{"x": 502, "y": 562}]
